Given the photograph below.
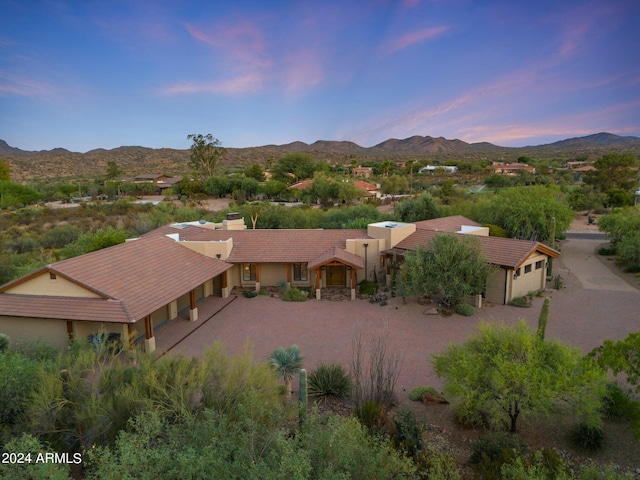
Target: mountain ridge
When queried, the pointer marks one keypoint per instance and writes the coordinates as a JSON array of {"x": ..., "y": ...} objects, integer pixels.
[{"x": 137, "y": 159}]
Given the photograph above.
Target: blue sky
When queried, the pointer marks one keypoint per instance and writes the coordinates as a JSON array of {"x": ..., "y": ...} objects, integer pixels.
[{"x": 102, "y": 74}]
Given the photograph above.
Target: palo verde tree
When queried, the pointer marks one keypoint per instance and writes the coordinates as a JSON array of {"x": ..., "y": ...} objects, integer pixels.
[
  {"x": 622, "y": 356},
  {"x": 614, "y": 172},
  {"x": 509, "y": 371},
  {"x": 206, "y": 154},
  {"x": 528, "y": 213},
  {"x": 297, "y": 166},
  {"x": 451, "y": 265}
]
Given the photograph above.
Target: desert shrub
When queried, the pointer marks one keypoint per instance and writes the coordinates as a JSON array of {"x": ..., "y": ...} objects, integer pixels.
[
  {"x": 249, "y": 293},
  {"x": 367, "y": 287},
  {"x": 496, "y": 230},
  {"x": 4, "y": 342},
  {"x": 32, "y": 470},
  {"x": 522, "y": 302},
  {"x": 408, "y": 436},
  {"x": 436, "y": 463},
  {"x": 493, "y": 451},
  {"x": 417, "y": 393},
  {"x": 546, "y": 464},
  {"x": 328, "y": 382},
  {"x": 294, "y": 295},
  {"x": 607, "y": 250},
  {"x": 618, "y": 403},
  {"x": 371, "y": 415},
  {"x": 59, "y": 236},
  {"x": 587, "y": 436},
  {"x": 18, "y": 375},
  {"x": 464, "y": 309}
]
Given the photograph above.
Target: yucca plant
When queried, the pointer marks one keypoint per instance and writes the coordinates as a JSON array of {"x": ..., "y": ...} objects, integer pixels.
[
  {"x": 329, "y": 381},
  {"x": 287, "y": 362}
]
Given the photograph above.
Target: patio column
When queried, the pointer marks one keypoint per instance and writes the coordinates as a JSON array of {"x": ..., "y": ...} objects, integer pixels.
[
  {"x": 130, "y": 336},
  {"x": 193, "y": 309},
  {"x": 353, "y": 284},
  {"x": 149, "y": 339},
  {"x": 318, "y": 283},
  {"x": 288, "y": 266},
  {"x": 257, "y": 277},
  {"x": 70, "y": 330},
  {"x": 226, "y": 291}
]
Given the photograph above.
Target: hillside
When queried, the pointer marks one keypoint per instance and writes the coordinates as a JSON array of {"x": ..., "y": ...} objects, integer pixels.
[{"x": 58, "y": 163}]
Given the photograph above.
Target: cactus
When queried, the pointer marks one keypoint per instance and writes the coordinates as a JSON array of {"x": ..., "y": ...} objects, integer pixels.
[
  {"x": 302, "y": 396},
  {"x": 543, "y": 318}
]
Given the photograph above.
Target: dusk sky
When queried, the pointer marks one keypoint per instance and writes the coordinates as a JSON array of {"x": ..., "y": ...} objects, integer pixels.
[{"x": 102, "y": 74}]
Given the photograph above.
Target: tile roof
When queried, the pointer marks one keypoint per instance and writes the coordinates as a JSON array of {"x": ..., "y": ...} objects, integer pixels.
[
  {"x": 144, "y": 275},
  {"x": 335, "y": 253},
  {"x": 64, "y": 308},
  {"x": 269, "y": 246},
  {"x": 451, "y": 224},
  {"x": 505, "y": 252}
]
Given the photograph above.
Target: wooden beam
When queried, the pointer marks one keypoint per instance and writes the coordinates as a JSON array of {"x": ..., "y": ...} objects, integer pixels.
[
  {"x": 130, "y": 336},
  {"x": 148, "y": 327},
  {"x": 192, "y": 299},
  {"x": 224, "y": 279},
  {"x": 353, "y": 278},
  {"x": 70, "y": 330},
  {"x": 288, "y": 266},
  {"x": 257, "y": 272}
]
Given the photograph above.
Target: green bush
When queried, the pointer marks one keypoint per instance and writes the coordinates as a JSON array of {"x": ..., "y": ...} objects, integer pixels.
[
  {"x": 588, "y": 436},
  {"x": 4, "y": 342},
  {"x": 493, "y": 451},
  {"x": 249, "y": 293},
  {"x": 464, "y": 309},
  {"x": 368, "y": 287},
  {"x": 417, "y": 393},
  {"x": 294, "y": 295},
  {"x": 522, "y": 302},
  {"x": 370, "y": 415},
  {"x": 608, "y": 250},
  {"x": 619, "y": 404},
  {"x": 329, "y": 382},
  {"x": 408, "y": 436},
  {"x": 59, "y": 236}
]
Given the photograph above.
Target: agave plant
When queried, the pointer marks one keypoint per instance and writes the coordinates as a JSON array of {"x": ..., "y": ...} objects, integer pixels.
[{"x": 287, "y": 362}]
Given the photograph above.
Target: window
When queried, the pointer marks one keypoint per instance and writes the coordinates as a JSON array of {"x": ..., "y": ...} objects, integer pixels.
[
  {"x": 249, "y": 272},
  {"x": 527, "y": 268},
  {"x": 52, "y": 276},
  {"x": 299, "y": 272},
  {"x": 538, "y": 264}
]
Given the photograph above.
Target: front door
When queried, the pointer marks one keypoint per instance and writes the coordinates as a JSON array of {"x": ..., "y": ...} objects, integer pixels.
[{"x": 336, "y": 275}]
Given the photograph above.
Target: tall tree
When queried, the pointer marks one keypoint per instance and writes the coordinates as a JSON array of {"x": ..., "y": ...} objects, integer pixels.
[
  {"x": 113, "y": 170},
  {"x": 206, "y": 154},
  {"x": 450, "y": 266},
  {"x": 297, "y": 166},
  {"x": 5, "y": 172},
  {"x": 527, "y": 213},
  {"x": 614, "y": 171},
  {"x": 507, "y": 371},
  {"x": 422, "y": 207}
]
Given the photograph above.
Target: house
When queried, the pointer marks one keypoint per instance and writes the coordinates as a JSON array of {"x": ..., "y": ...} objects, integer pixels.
[
  {"x": 138, "y": 286},
  {"x": 365, "y": 172},
  {"x": 510, "y": 168},
  {"x": 162, "y": 182},
  {"x": 438, "y": 168}
]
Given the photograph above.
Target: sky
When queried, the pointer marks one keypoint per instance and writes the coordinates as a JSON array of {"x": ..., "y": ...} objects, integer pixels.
[{"x": 88, "y": 74}]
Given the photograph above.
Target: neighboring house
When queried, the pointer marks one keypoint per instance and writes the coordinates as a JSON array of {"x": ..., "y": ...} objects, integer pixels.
[
  {"x": 365, "y": 172},
  {"x": 160, "y": 181},
  {"x": 436, "y": 168},
  {"x": 139, "y": 285},
  {"x": 510, "y": 168}
]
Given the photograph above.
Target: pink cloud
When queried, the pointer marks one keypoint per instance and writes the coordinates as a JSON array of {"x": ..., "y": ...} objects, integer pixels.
[
  {"x": 412, "y": 38},
  {"x": 15, "y": 85}
]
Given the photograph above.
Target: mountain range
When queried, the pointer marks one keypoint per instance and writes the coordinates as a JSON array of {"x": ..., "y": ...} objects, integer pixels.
[{"x": 60, "y": 162}]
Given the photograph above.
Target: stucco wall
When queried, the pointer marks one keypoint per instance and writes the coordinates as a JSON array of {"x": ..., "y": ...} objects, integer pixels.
[
  {"x": 22, "y": 329},
  {"x": 43, "y": 284},
  {"x": 529, "y": 281},
  {"x": 82, "y": 330}
]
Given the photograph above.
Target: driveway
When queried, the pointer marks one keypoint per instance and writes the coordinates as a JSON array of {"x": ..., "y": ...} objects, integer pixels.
[{"x": 594, "y": 305}]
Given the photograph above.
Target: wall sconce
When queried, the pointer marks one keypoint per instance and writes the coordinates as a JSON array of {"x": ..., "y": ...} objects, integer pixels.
[
  {"x": 218, "y": 255},
  {"x": 515, "y": 276}
]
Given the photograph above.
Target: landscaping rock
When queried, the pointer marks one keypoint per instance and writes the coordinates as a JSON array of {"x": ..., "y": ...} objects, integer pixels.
[
  {"x": 432, "y": 311},
  {"x": 430, "y": 399}
]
